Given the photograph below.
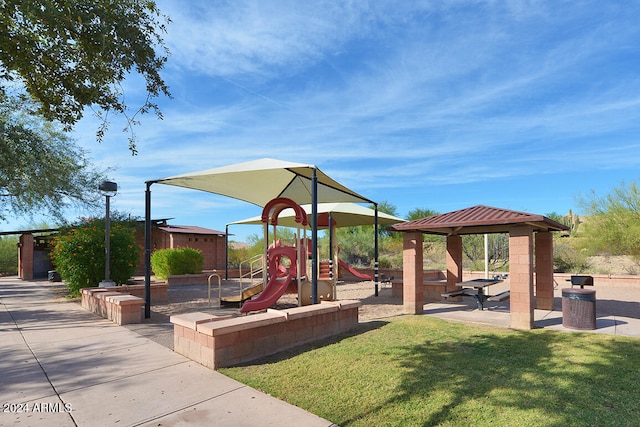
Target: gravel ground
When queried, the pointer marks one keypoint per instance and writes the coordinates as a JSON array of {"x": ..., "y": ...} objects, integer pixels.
[{"x": 190, "y": 298}]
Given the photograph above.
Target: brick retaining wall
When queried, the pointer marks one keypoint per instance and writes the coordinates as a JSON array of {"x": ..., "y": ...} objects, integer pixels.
[{"x": 218, "y": 342}]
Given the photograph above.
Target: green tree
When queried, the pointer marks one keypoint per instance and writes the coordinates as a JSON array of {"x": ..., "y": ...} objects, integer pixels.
[
  {"x": 498, "y": 250},
  {"x": 613, "y": 224},
  {"x": 419, "y": 213},
  {"x": 41, "y": 169},
  {"x": 79, "y": 252},
  {"x": 66, "y": 55},
  {"x": 8, "y": 255},
  {"x": 571, "y": 220}
]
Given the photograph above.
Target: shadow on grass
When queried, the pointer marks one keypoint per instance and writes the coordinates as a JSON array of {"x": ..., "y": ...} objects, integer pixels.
[
  {"x": 485, "y": 378},
  {"x": 304, "y": 348}
]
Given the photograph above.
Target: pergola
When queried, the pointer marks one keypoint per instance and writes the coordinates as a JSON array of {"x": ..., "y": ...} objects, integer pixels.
[{"x": 530, "y": 249}]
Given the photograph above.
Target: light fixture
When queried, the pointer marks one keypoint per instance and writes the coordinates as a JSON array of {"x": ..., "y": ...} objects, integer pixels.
[{"x": 109, "y": 190}]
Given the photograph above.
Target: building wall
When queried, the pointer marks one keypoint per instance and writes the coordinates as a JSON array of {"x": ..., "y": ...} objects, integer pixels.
[{"x": 212, "y": 247}]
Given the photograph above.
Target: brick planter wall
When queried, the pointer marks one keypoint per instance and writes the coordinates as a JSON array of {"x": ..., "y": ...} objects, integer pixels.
[
  {"x": 116, "y": 306},
  {"x": 221, "y": 342}
]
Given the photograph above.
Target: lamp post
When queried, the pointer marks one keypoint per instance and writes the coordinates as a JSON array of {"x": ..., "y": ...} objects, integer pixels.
[{"x": 109, "y": 189}]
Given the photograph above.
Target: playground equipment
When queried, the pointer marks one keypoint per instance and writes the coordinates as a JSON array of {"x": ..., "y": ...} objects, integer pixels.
[
  {"x": 286, "y": 265},
  {"x": 326, "y": 270},
  {"x": 251, "y": 282}
]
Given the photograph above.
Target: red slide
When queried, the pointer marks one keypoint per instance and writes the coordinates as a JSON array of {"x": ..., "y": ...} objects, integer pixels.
[
  {"x": 353, "y": 271},
  {"x": 276, "y": 285}
]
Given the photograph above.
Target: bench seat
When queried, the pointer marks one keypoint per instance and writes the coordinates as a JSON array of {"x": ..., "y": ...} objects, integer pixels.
[
  {"x": 500, "y": 297},
  {"x": 460, "y": 292}
]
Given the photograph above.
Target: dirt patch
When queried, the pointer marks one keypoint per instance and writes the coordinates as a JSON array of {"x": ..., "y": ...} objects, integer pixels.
[
  {"x": 622, "y": 264},
  {"x": 372, "y": 308}
]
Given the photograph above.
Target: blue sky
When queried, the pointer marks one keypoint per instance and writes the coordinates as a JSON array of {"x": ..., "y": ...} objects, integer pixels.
[{"x": 441, "y": 105}]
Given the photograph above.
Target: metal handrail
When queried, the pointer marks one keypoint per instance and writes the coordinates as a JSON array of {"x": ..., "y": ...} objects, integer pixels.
[
  {"x": 219, "y": 288},
  {"x": 255, "y": 266}
]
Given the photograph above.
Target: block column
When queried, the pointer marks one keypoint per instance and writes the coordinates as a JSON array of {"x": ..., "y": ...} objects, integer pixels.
[
  {"x": 454, "y": 262},
  {"x": 25, "y": 257},
  {"x": 521, "y": 275},
  {"x": 544, "y": 270},
  {"x": 412, "y": 274}
]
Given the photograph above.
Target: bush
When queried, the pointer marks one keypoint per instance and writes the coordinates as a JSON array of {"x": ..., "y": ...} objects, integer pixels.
[
  {"x": 79, "y": 254},
  {"x": 567, "y": 259},
  {"x": 170, "y": 262}
]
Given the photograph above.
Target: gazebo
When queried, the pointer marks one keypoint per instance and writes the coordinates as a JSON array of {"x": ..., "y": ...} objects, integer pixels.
[{"x": 530, "y": 249}]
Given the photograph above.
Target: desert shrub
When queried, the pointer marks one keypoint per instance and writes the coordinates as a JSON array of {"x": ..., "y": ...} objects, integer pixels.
[
  {"x": 237, "y": 254},
  {"x": 170, "y": 262},
  {"x": 385, "y": 262},
  {"x": 79, "y": 254},
  {"x": 567, "y": 259}
]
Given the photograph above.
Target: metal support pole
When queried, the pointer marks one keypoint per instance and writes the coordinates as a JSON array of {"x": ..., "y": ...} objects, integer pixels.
[
  {"x": 331, "y": 247},
  {"x": 147, "y": 251},
  {"x": 107, "y": 242},
  {"x": 375, "y": 248},
  {"x": 314, "y": 237},
  {"x": 226, "y": 253},
  {"x": 110, "y": 189}
]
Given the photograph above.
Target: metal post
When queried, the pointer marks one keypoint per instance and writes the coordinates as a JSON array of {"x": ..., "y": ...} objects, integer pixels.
[
  {"x": 147, "y": 251},
  {"x": 109, "y": 188},
  {"x": 331, "y": 248},
  {"x": 107, "y": 242},
  {"x": 314, "y": 237},
  {"x": 226, "y": 253},
  {"x": 375, "y": 248}
]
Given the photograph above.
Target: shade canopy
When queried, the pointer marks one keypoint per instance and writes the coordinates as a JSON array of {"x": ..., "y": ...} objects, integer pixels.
[
  {"x": 342, "y": 214},
  {"x": 259, "y": 181}
]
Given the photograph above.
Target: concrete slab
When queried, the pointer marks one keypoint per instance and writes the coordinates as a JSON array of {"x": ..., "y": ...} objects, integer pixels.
[
  {"x": 613, "y": 316},
  {"x": 61, "y": 365},
  {"x": 149, "y": 395},
  {"x": 241, "y": 408},
  {"x": 91, "y": 368}
]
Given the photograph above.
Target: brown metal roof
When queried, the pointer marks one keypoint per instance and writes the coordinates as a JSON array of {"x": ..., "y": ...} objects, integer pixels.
[
  {"x": 478, "y": 220},
  {"x": 190, "y": 229}
]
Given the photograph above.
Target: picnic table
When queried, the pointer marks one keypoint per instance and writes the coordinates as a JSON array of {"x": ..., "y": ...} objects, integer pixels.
[{"x": 475, "y": 288}]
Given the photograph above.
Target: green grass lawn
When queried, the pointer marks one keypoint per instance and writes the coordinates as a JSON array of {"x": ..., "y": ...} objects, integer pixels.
[{"x": 418, "y": 370}]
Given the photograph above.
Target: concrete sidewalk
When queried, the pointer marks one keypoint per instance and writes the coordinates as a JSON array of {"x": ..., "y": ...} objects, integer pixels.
[{"x": 63, "y": 366}]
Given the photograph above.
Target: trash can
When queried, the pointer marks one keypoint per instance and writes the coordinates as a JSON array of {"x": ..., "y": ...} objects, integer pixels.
[
  {"x": 579, "y": 308},
  {"x": 54, "y": 276}
]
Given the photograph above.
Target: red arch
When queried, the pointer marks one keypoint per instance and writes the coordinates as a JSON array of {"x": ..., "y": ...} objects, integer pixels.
[{"x": 277, "y": 205}]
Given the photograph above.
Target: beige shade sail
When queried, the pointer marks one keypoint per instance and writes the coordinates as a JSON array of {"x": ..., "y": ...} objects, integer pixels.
[
  {"x": 342, "y": 214},
  {"x": 259, "y": 181}
]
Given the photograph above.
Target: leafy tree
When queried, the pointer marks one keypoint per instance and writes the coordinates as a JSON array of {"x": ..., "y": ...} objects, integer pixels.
[
  {"x": 66, "y": 55},
  {"x": 8, "y": 255},
  {"x": 613, "y": 225},
  {"x": 79, "y": 252},
  {"x": 571, "y": 220},
  {"x": 41, "y": 169},
  {"x": 237, "y": 254},
  {"x": 419, "y": 213},
  {"x": 498, "y": 250}
]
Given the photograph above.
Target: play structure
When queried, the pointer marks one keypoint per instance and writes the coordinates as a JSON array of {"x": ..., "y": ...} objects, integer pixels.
[{"x": 286, "y": 264}]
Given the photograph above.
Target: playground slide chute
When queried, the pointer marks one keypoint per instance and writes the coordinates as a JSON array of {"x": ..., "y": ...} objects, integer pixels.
[
  {"x": 353, "y": 271},
  {"x": 276, "y": 285}
]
